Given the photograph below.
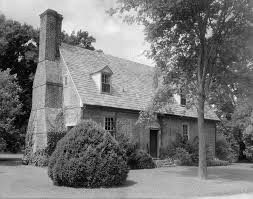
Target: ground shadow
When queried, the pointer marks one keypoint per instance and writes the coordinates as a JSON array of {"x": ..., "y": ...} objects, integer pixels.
[
  {"x": 128, "y": 183},
  {"x": 10, "y": 161},
  {"x": 225, "y": 173}
]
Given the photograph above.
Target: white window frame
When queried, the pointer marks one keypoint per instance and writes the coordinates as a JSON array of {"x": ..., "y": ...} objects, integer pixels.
[
  {"x": 188, "y": 131},
  {"x": 109, "y": 83},
  {"x": 112, "y": 126},
  {"x": 182, "y": 96}
]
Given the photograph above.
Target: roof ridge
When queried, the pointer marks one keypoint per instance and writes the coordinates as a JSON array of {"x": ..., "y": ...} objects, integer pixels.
[{"x": 105, "y": 54}]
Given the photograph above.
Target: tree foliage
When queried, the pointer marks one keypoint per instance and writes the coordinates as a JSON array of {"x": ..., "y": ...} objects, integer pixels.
[
  {"x": 201, "y": 47},
  {"x": 19, "y": 53},
  {"x": 10, "y": 106},
  {"x": 81, "y": 38},
  {"x": 19, "y": 44}
]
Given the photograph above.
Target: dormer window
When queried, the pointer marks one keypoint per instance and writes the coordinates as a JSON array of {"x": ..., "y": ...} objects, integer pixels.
[
  {"x": 183, "y": 100},
  {"x": 106, "y": 83},
  {"x": 103, "y": 80}
]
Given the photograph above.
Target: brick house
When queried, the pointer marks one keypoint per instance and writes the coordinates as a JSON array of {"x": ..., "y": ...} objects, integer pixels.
[{"x": 109, "y": 90}]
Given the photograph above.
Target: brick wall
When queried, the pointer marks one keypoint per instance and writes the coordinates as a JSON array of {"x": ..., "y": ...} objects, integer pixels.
[
  {"x": 172, "y": 125},
  {"x": 126, "y": 122},
  {"x": 47, "y": 86}
]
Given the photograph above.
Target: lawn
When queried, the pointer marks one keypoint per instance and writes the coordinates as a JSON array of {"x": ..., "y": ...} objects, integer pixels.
[{"x": 19, "y": 181}]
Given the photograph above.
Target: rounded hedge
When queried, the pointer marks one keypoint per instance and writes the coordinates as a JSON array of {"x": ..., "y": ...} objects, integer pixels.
[
  {"x": 141, "y": 160},
  {"x": 88, "y": 156}
]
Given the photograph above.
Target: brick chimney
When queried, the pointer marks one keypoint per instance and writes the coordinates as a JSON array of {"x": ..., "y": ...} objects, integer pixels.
[
  {"x": 47, "y": 84},
  {"x": 50, "y": 33}
]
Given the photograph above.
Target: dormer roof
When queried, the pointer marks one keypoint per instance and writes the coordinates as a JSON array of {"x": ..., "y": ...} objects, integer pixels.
[{"x": 105, "y": 69}]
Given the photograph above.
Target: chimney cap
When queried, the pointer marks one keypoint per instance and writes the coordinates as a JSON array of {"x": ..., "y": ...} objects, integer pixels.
[{"x": 51, "y": 12}]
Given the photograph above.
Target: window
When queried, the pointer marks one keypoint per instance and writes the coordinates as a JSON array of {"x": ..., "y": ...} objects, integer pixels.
[
  {"x": 109, "y": 125},
  {"x": 183, "y": 100},
  {"x": 106, "y": 83},
  {"x": 185, "y": 132}
]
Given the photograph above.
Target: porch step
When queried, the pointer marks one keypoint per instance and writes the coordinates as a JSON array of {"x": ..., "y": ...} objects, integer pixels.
[{"x": 164, "y": 163}]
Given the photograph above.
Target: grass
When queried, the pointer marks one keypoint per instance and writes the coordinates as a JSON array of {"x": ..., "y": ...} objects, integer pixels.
[{"x": 19, "y": 181}]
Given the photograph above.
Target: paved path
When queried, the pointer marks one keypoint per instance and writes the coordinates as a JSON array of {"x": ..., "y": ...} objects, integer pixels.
[{"x": 19, "y": 181}]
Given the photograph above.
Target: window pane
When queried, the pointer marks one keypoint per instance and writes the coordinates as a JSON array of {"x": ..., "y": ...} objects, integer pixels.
[
  {"x": 109, "y": 124},
  {"x": 106, "y": 88},
  {"x": 185, "y": 131},
  {"x": 183, "y": 100},
  {"x": 105, "y": 78}
]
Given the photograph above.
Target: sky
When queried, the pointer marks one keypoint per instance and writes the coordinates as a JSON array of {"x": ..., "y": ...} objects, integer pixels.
[{"x": 112, "y": 35}]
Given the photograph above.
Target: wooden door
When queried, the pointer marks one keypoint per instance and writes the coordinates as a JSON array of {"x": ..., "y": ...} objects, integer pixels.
[{"x": 153, "y": 143}]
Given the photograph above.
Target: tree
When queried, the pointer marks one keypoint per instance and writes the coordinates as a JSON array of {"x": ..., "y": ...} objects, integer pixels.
[
  {"x": 10, "y": 105},
  {"x": 19, "y": 53},
  {"x": 81, "y": 38},
  {"x": 19, "y": 45},
  {"x": 241, "y": 123},
  {"x": 200, "y": 47}
]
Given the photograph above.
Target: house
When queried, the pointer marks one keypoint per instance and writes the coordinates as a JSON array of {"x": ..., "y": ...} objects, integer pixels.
[{"x": 109, "y": 90}]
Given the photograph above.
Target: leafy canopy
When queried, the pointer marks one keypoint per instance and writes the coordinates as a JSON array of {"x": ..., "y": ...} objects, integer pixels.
[
  {"x": 201, "y": 49},
  {"x": 10, "y": 105},
  {"x": 197, "y": 42}
]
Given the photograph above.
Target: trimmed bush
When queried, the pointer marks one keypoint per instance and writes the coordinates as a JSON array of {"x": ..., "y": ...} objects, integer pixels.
[
  {"x": 141, "y": 160},
  {"x": 88, "y": 156}
]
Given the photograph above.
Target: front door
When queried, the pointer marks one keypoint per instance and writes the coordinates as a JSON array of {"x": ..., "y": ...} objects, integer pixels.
[{"x": 153, "y": 143}]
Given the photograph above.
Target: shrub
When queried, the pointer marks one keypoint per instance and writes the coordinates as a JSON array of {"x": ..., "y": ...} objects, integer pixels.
[
  {"x": 2, "y": 144},
  {"x": 183, "y": 156},
  {"x": 52, "y": 139},
  {"x": 126, "y": 142},
  {"x": 224, "y": 150},
  {"x": 249, "y": 153},
  {"x": 141, "y": 160},
  {"x": 39, "y": 158},
  {"x": 190, "y": 149},
  {"x": 136, "y": 159},
  {"x": 88, "y": 156},
  {"x": 217, "y": 162},
  {"x": 193, "y": 148},
  {"x": 248, "y": 141}
]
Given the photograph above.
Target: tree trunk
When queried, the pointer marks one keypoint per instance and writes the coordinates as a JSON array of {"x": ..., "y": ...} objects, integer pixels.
[{"x": 202, "y": 170}]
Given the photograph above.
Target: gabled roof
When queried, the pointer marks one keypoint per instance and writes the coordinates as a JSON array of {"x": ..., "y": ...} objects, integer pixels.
[
  {"x": 105, "y": 69},
  {"x": 132, "y": 83}
]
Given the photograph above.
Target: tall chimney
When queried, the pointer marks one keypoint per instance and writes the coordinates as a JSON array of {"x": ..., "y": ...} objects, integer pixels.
[
  {"x": 47, "y": 84},
  {"x": 50, "y": 34}
]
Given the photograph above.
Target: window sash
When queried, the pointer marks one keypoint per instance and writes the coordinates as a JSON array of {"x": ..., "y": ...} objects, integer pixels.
[
  {"x": 183, "y": 100},
  {"x": 105, "y": 79},
  {"x": 106, "y": 88},
  {"x": 185, "y": 131},
  {"x": 106, "y": 83},
  {"x": 109, "y": 123}
]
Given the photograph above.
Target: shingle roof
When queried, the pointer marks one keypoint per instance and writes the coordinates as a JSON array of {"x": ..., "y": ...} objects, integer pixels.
[{"x": 132, "y": 83}]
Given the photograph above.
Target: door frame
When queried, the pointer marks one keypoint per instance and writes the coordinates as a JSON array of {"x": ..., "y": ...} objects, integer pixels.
[{"x": 158, "y": 140}]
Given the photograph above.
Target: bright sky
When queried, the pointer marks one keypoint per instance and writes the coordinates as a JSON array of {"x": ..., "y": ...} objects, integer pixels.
[{"x": 113, "y": 36}]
